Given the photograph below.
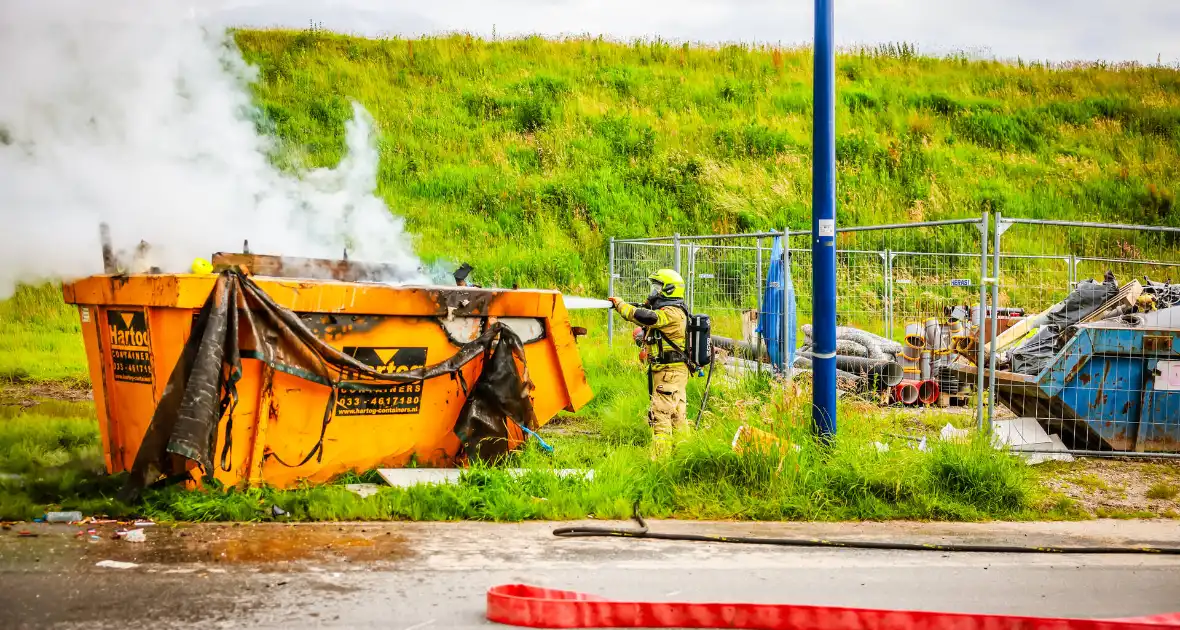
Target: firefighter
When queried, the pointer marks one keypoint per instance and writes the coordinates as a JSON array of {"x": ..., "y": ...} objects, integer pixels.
[{"x": 664, "y": 319}]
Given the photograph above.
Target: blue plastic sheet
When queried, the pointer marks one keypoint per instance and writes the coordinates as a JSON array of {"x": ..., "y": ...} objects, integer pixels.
[{"x": 776, "y": 322}]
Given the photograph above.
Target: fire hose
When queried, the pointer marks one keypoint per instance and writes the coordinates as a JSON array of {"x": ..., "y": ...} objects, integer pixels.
[
  {"x": 705, "y": 395},
  {"x": 536, "y": 607},
  {"x": 644, "y": 532}
]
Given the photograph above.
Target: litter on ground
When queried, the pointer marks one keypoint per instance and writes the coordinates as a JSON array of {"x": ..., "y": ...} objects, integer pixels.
[
  {"x": 115, "y": 564},
  {"x": 407, "y": 477}
]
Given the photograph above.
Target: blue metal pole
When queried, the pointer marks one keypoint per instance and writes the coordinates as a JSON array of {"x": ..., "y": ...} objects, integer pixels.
[{"x": 823, "y": 224}]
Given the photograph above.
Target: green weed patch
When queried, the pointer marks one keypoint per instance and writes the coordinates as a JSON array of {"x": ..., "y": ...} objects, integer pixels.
[{"x": 52, "y": 457}]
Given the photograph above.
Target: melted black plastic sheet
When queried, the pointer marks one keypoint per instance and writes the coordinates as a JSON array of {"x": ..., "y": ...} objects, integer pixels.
[
  {"x": 499, "y": 398},
  {"x": 1035, "y": 354},
  {"x": 1083, "y": 301},
  {"x": 239, "y": 320}
]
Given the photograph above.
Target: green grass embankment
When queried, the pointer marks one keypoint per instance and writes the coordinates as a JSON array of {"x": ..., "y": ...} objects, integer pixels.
[{"x": 527, "y": 155}]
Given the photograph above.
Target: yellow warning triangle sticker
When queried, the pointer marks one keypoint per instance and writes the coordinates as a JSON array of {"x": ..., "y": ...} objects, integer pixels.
[
  {"x": 127, "y": 317},
  {"x": 385, "y": 354}
]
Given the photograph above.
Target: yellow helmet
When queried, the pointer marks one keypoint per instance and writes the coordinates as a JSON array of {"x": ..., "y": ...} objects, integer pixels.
[
  {"x": 666, "y": 283},
  {"x": 200, "y": 265}
]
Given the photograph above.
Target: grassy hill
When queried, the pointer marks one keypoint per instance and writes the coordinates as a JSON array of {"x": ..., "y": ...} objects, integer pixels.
[
  {"x": 522, "y": 157},
  {"x": 526, "y": 155}
]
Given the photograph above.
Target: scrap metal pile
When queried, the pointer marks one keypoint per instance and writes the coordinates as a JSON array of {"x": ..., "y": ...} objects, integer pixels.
[
  {"x": 1043, "y": 336},
  {"x": 913, "y": 372},
  {"x": 1100, "y": 369}
]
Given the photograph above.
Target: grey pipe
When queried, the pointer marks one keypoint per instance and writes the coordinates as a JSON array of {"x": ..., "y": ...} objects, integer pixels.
[
  {"x": 744, "y": 365},
  {"x": 739, "y": 348},
  {"x": 933, "y": 334},
  {"x": 914, "y": 335},
  {"x": 924, "y": 365},
  {"x": 910, "y": 360},
  {"x": 883, "y": 374},
  {"x": 804, "y": 363}
]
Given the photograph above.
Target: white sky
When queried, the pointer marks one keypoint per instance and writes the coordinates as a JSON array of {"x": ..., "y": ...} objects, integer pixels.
[{"x": 1056, "y": 30}]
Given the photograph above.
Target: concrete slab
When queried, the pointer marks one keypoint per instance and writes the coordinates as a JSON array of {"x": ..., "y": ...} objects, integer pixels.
[
  {"x": 407, "y": 477},
  {"x": 1026, "y": 434}
]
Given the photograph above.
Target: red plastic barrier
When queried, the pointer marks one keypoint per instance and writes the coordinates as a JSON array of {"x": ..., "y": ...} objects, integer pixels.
[{"x": 536, "y": 607}]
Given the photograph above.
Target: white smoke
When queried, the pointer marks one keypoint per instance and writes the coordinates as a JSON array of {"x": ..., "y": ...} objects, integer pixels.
[{"x": 132, "y": 113}]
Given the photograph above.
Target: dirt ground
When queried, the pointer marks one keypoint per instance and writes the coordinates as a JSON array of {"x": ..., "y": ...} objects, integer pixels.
[
  {"x": 1108, "y": 488},
  {"x": 30, "y": 393}
]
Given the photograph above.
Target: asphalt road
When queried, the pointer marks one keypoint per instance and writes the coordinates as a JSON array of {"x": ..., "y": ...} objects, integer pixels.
[{"x": 419, "y": 576}]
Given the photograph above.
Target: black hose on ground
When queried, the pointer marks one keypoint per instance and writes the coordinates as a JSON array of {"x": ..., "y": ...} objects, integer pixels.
[
  {"x": 708, "y": 379},
  {"x": 644, "y": 532}
]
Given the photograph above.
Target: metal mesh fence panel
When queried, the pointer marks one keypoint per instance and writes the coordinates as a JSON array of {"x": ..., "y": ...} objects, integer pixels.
[
  {"x": 1033, "y": 282},
  {"x": 632, "y": 262},
  {"x": 726, "y": 279},
  {"x": 888, "y": 276},
  {"x": 861, "y": 293},
  {"x": 1102, "y": 371},
  {"x": 926, "y": 285}
]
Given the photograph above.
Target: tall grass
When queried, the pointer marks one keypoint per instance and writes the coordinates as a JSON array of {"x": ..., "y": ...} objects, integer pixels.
[
  {"x": 56, "y": 453},
  {"x": 40, "y": 336},
  {"x": 529, "y": 153}
]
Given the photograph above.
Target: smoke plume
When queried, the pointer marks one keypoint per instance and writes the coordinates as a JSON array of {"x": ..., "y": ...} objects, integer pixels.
[{"x": 134, "y": 114}]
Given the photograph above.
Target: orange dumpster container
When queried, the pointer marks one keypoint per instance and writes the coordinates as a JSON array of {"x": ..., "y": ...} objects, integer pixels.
[{"x": 136, "y": 326}]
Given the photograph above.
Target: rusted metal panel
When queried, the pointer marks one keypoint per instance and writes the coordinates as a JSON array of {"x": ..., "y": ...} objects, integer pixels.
[
  {"x": 308, "y": 268},
  {"x": 1108, "y": 389}
]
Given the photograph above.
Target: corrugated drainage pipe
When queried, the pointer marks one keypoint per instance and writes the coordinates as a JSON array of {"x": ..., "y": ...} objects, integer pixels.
[
  {"x": 852, "y": 348},
  {"x": 883, "y": 374},
  {"x": 946, "y": 380},
  {"x": 906, "y": 392},
  {"x": 928, "y": 392},
  {"x": 879, "y": 347}
]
